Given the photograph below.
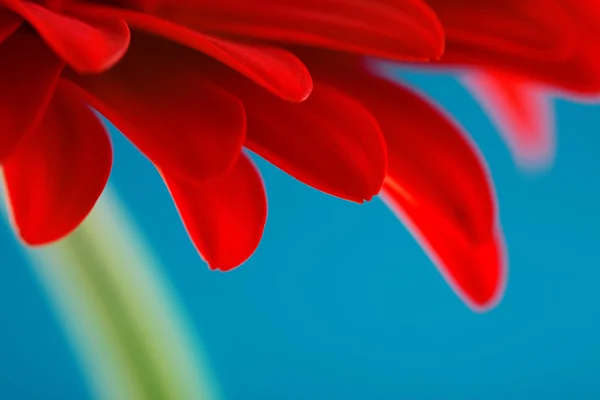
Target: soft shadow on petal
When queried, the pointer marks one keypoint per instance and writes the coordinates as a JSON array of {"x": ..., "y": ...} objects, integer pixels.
[
  {"x": 86, "y": 44},
  {"x": 184, "y": 123},
  {"x": 57, "y": 172},
  {"x": 400, "y": 30},
  {"x": 276, "y": 69},
  {"x": 9, "y": 22},
  {"x": 29, "y": 72},
  {"x": 330, "y": 141}
]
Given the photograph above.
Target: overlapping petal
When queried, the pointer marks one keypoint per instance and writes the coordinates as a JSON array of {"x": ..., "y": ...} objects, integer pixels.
[
  {"x": 397, "y": 29},
  {"x": 330, "y": 141},
  {"x": 544, "y": 41},
  {"x": 29, "y": 72},
  {"x": 58, "y": 170},
  {"x": 87, "y": 44},
  {"x": 506, "y": 30},
  {"x": 437, "y": 183},
  {"x": 180, "y": 120},
  {"x": 273, "y": 68},
  {"x": 225, "y": 217}
]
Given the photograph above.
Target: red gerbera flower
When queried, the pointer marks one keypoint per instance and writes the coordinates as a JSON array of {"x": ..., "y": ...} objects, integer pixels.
[{"x": 196, "y": 80}]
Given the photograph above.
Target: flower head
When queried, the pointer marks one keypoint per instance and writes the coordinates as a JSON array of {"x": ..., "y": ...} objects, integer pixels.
[{"x": 193, "y": 82}]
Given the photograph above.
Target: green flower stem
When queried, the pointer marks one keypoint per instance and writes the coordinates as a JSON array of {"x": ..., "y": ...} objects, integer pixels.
[{"x": 123, "y": 320}]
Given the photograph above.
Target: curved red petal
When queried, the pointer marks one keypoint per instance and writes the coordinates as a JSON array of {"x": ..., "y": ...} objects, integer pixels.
[
  {"x": 9, "y": 22},
  {"x": 28, "y": 75},
  {"x": 277, "y": 70},
  {"x": 180, "y": 120},
  {"x": 225, "y": 218},
  {"x": 441, "y": 185},
  {"x": 86, "y": 44},
  {"x": 523, "y": 114},
  {"x": 438, "y": 184},
  {"x": 330, "y": 141},
  {"x": 58, "y": 171},
  {"x": 476, "y": 270},
  {"x": 398, "y": 29}
]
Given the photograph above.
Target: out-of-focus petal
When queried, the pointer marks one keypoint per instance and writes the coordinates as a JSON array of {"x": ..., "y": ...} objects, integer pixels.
[
  {"x": 438, "y": 185},
  {"x": 586, "y": 13},
  {"x": 544, "y": 41},
  {"x": 86, "y": 44},
  {"x": 273, "y": 68},
  {"x": 397, "y": 29},
  {"x": 180, "y": 120},
  {"x": 225, "y": 218},
  {"x": 522, "y": 113},
  {"x": 330, "y": 141},
  {"x": 57, "y": 172},
  {"x": 29, "y": 72}
]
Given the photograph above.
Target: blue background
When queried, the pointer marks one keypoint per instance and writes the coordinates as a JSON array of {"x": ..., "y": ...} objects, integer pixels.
[{"x": 339, "y": 302}]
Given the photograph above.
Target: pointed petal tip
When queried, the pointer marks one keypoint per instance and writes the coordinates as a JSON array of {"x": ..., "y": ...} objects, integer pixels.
[
  {"x": 476, "y": 272},
  {"x": 225, "y": 218},
  {"x": 488, "y": 294}
]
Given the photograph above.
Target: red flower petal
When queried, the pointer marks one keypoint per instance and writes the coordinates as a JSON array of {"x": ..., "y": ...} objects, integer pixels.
[
  {"x": 9, "y": 22},
  {"x": 28, "y": 74},
  {"x": 58, "y": 171},
  {"x": 532, "y": 29},
  {"x": 181, "y": 121},
  {"x": 275, "y": 69},
  {"x": 406, "y": 29},
  {"x": 329, "y": 141},
  {"x": 86, "y": 44},
  {"x": 522, "y": 113},
  {"x": 586, "y": 14},
  {"x": 438, "y": 184},
  {"x": 555, "y": 46},
  {"x": 225, "y": 218}
]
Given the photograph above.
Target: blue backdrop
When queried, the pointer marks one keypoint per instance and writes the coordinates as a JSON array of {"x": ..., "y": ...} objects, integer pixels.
[{"x": 339, "y": 302}]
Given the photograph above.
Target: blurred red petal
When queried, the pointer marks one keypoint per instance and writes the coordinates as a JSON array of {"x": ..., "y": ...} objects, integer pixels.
[
  {"x": 438, "y": 184},
  {"x": 406, "y": 29},
  {"x": 86, "y": 44},
  {"x": 28, "y": 75},
  {"x": 546, "y": 41},
  {"x": 587, "y": 15},
  {"x": 225, "y": 218},
  {"x": 330, "y": 141},
  {"x": 273, "y": 68},
  {"x": 58, "y": 171},
  {"x": 523, "y": 114},
  {"x": 180, "y": 120}
]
